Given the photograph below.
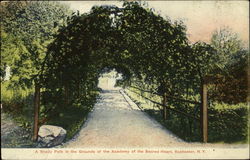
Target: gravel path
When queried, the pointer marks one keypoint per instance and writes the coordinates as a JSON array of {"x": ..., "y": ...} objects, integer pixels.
[{"x": 117, "y": 122}]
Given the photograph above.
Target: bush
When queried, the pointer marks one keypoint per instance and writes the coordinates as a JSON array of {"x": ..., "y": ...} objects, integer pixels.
[
  {"x": 70, "y": 117},
  {"x": 18, "y": 103},
  {"x": 228, "y": 124}
]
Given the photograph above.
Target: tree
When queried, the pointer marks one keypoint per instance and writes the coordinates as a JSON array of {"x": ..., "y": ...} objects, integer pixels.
[
  {"x": 34, "y": 24},
  {"x": 228, "y": 45},
  {"x": 231, "y": 63}
]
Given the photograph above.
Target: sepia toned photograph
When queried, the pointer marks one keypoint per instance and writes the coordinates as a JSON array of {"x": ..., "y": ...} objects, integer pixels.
[{"x": 125, "y": 79}]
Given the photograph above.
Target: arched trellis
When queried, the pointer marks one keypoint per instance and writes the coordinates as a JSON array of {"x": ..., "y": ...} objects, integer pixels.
[{"x": 133, "y": 40}]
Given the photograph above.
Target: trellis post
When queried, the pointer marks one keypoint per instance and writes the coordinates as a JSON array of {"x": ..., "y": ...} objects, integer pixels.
[
  {"x": 36, "y": 111},
  {"x": 164, "y": 102},
  {"x": 203, "y": 113}
]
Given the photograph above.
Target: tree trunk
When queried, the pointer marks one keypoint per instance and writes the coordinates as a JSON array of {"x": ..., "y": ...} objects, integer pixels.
[{"x": 36, "y": 111}]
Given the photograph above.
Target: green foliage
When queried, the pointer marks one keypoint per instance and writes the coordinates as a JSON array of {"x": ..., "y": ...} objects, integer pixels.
[
  {"x": 19, "y": 103},
  {"x": 230, "y": 63},
  {"x": 11, "y": 49},
  {"x": 229, "y": 124},
  {"x": 133, "y": 40},
  {"x": 71, "y": 117},
  {"x": 227, "y": 45},
  {"x": 26, "y": 30}
]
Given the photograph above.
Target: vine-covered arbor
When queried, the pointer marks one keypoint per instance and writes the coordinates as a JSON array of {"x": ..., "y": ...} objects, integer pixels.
[{"x": 134, "y": 40}]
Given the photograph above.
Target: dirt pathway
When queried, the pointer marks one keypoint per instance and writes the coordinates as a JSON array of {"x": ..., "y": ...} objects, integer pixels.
[
  {"x": 114, "y": 123},
  {"x": 13, "y": 136}
]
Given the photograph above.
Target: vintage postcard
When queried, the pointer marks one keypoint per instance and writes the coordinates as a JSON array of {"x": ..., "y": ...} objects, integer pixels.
[{"x": 124, "y": 79}]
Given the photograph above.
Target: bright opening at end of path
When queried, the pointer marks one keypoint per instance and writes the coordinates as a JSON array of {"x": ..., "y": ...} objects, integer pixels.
[{"x": 108, "y": 80}]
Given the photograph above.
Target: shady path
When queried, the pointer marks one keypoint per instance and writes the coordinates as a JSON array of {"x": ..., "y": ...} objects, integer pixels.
[{"x": 117, "y": 122}]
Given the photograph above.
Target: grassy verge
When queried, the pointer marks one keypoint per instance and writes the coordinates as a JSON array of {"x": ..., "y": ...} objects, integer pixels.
[{"x": 18, "y": 103}]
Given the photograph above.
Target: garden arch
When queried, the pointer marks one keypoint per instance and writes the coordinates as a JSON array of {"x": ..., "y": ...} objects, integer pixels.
[{"x": 133, "y": 40}]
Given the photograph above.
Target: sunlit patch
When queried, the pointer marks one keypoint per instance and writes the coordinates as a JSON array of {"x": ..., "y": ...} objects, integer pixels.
[{"x": 108, "y": 80}]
